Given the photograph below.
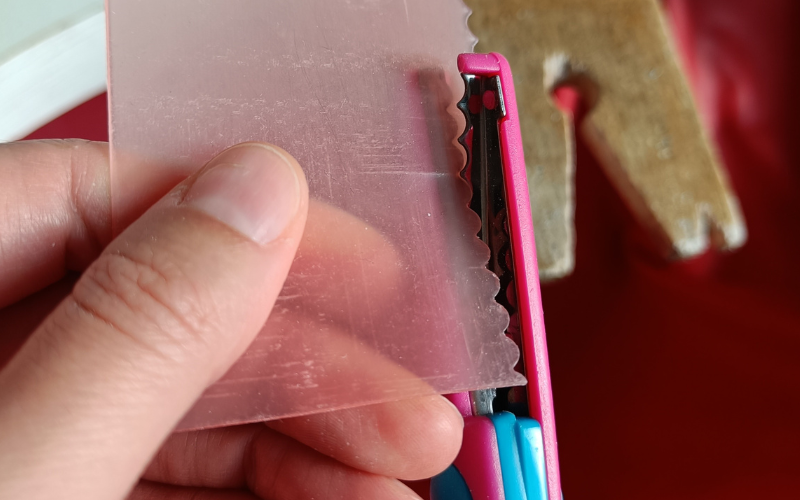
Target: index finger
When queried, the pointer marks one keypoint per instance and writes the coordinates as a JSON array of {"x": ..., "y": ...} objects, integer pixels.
[
  {"x": 55, "y": 209},
  {"x": 55, "y": 216}
]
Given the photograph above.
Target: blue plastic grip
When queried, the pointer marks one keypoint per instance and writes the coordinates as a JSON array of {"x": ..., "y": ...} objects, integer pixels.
[
  {"x": 521, "y": 447},
  {"x": 450, "y": 485}
]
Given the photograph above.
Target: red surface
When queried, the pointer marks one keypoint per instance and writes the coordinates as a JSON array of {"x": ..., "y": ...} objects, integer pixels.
[
  {"x": 87, "y": 121},
  {"x": 680, "y": 380}
]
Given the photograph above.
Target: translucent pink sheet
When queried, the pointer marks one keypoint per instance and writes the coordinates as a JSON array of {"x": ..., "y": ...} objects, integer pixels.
[{"x": 388, "y": 297}]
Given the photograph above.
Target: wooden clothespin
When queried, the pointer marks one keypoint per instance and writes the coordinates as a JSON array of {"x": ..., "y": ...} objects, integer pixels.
[{"x": 642, "y": 126}]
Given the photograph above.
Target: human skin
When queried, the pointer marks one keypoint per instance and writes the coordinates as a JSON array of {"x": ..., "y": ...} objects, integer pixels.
[{"x": 108, "y": 364}]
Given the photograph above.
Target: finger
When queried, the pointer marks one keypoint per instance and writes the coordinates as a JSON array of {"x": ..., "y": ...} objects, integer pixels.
[
  {"x": 340, "y": 253},
  {"x": 314, "y": 362},
  {"x": 411, "y": 439},
  {"x": 271, "y": 464},
  {"x": 211, "y": 458},
  {"x": 282, "y": 469},
  {"x": 57, "y": 218},
  {"x": 20, "y": 319},
  {"x": 146, "y": 490},
  {"x": 161, "y": 314},
  {"x": 55, "y": 213}
]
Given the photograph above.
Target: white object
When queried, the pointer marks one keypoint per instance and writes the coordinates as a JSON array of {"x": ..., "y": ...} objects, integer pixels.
[{"x": 52, "y": 76}]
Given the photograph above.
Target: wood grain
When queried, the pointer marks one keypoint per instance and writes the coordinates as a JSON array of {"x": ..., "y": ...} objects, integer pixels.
[{"x": 643, "y": 125}]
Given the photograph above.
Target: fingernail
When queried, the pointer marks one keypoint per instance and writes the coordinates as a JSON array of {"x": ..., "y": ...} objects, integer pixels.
[{"x": 252, "y": 188}]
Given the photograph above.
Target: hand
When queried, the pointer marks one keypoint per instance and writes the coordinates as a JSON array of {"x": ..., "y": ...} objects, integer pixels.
[{"x": 88, "y": 401}]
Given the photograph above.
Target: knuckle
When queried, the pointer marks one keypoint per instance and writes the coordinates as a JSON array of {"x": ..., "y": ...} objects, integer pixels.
[{"x": 144, "y": 296}]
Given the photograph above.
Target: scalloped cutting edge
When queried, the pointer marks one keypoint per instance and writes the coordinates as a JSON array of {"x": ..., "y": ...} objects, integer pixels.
[{"x": 509, "y": 191}]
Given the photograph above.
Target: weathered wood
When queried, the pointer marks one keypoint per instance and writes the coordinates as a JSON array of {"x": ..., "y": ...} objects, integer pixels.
[{"x": 643, "y": 126}]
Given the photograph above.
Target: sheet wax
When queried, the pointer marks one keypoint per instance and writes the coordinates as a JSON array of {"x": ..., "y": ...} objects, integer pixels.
[{"x": 388, "y": 297}]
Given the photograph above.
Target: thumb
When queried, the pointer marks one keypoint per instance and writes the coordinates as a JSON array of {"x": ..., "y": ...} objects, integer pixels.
[{"x": 161, "y": 314}]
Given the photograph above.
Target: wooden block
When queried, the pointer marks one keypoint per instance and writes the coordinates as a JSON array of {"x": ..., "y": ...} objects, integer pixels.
[{"x": 643, "y": 125}]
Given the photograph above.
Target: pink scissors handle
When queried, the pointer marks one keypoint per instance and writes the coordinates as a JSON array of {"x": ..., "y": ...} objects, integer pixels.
[{"x": 526, "y": 274}]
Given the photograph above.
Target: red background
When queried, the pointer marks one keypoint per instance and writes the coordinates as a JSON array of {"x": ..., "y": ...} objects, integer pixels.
[{"x": 679, "y": 380}]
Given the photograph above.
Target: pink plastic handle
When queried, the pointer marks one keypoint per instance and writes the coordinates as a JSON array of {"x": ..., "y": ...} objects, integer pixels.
[
  {"x": 479, "y": 460},
  {"x": 526, "y": 271}
]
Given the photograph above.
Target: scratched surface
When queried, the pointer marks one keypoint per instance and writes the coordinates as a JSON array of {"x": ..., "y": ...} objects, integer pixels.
[{"x": 388, "y": 297}]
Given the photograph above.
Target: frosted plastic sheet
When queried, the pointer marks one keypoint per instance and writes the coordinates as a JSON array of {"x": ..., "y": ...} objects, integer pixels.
[{"x": 389, "y": 296}]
